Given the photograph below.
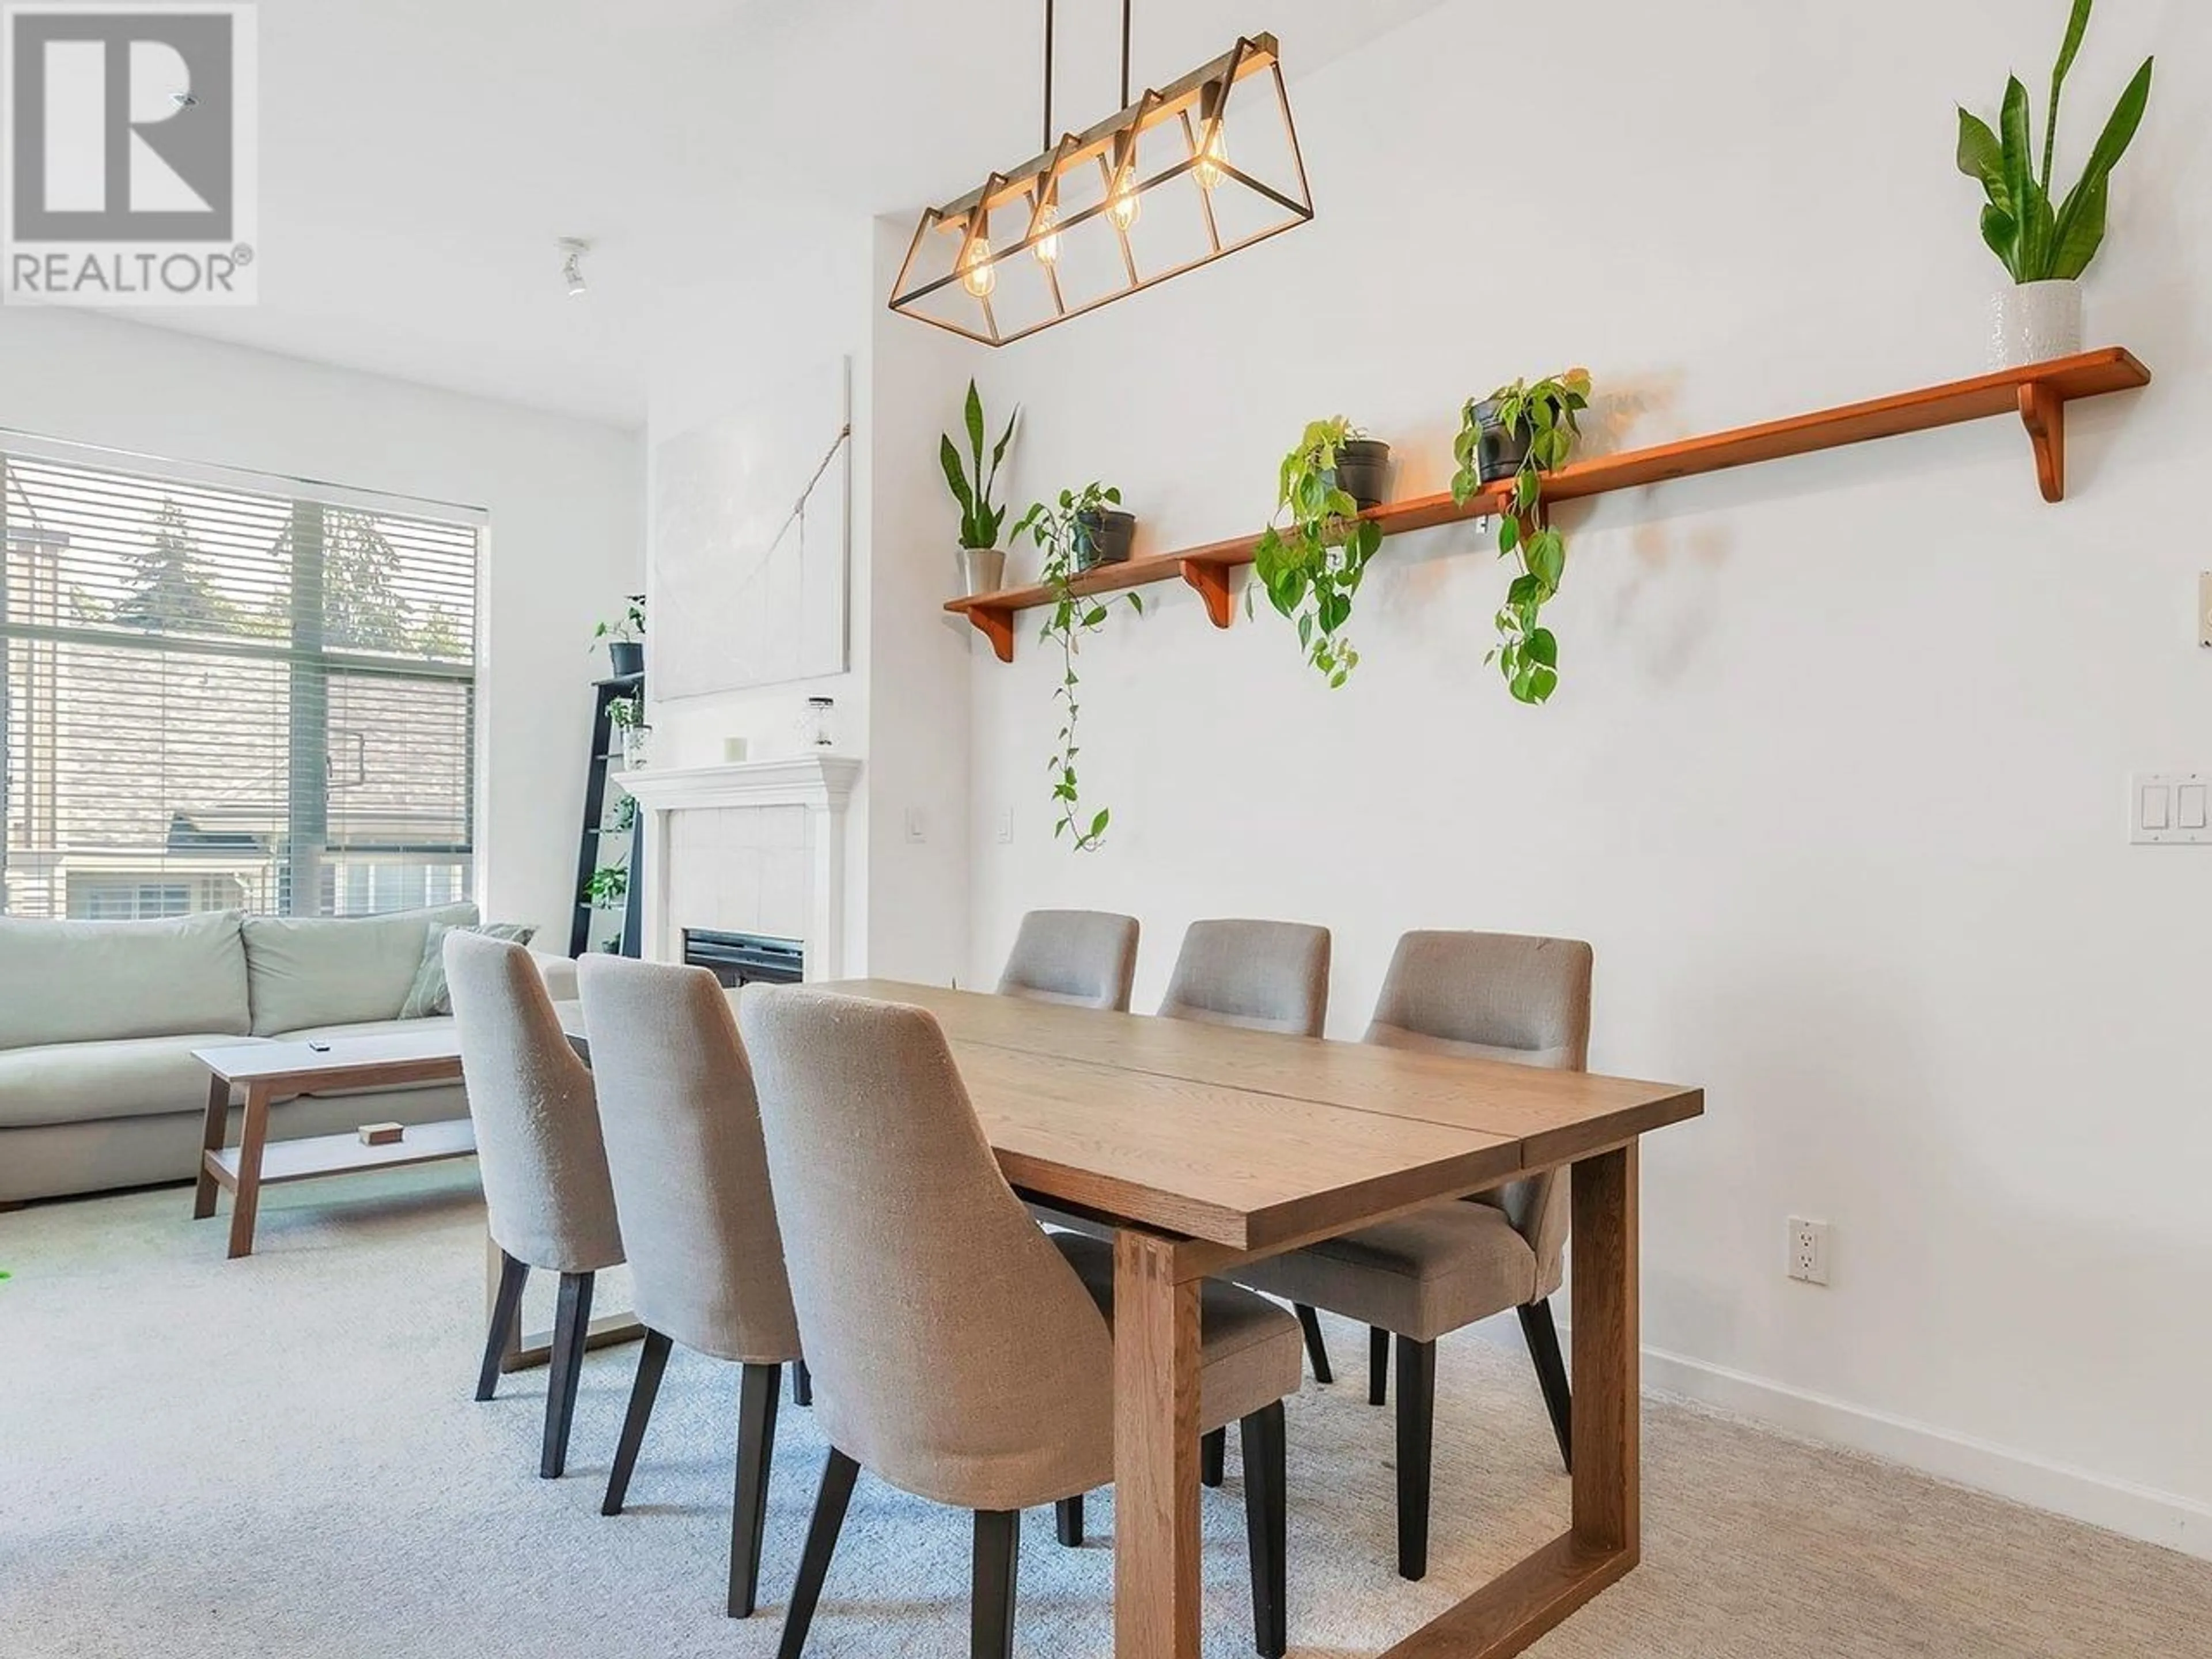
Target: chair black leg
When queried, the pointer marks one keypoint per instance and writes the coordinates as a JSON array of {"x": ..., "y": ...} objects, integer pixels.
[
  {"x": 1316, "y": 1350},
  {"x": 1067, "y": 1517},
  {"x": 749, "y": 1513},
  {"x": 506, "y": 1305},
  {"x": 572, "y": 1324},
  {"x": 1266, "y": 1508},
  {"x": 651, "y": 1361},
  {"x": 802, "y": 1384},
  {"x": 1378, "y": 1365},
  {"x": 1551, "y": 1375},
  {"x": 1213, "y": 1458},
  {"x": 998, "y": 1547},
  {"x": 1417, "y": 1410},
  {"x": 837, "y": 1477}
]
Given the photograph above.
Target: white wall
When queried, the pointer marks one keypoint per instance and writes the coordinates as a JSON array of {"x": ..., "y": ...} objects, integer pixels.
[
  {"x": 565, "y": 544},
  {"x": 728, "y": 341},
  {"x": 1835, "y": 779}
]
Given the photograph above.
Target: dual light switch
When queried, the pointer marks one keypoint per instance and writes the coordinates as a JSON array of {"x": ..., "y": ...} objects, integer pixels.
[{"x": 2172, "y": 807}]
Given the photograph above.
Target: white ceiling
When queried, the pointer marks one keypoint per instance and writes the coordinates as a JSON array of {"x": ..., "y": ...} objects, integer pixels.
[{"x": 419, "y": 158}]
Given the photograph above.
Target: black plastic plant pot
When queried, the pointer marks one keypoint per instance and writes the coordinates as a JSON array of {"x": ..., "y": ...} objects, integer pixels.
[
  {"x": 626, "y": 658},
  {"x": 1362, "y": 464},
  {"x": 1498, "y": 452},
  {"x": 1107, "y": 536}
]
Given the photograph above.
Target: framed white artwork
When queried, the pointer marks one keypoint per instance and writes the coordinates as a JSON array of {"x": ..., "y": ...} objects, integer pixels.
[{"x": 749, "y": 543}]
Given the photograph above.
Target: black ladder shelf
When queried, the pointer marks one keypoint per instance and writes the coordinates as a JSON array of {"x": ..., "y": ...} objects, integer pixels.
[{"x": 603, "y": 842}]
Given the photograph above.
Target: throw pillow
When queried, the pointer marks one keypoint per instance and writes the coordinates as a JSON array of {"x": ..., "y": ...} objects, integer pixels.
[{"x": 429, "y": 997}]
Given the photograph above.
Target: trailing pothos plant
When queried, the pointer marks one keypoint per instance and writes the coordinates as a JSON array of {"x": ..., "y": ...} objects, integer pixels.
[
  {"x": 1312, "y": 566},
  {"x": 980, "y": 515},
  {"x": 1063, "y": 533},
  {"x": 1544, "y": 415},
  {"x": 2036, "y": 241}
]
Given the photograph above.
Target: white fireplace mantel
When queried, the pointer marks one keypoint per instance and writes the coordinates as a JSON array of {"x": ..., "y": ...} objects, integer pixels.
[{"x": 822, "y": 784}]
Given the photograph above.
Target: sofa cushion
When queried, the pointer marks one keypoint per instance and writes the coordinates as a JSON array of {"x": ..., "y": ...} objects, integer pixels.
[
  {"x": 314, "y": 970},
  {"x": 76, "y": 981},
  {"x": 135, "y": 1077},
  {"x": 428, "y": 995}
]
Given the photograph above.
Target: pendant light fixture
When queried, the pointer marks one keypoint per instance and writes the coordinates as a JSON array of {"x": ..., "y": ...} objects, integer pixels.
[{"x": 1189, "y": 172}]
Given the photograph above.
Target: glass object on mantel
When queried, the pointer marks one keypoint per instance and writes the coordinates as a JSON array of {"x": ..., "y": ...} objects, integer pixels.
[{"x": 820, "y": 722}]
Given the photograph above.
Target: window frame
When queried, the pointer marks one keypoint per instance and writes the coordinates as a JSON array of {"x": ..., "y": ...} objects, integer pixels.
[{"x": 333, "y": 663}]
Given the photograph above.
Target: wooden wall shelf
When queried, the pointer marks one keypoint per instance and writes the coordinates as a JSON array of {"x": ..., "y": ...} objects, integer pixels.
[{"x": 2038, "y": 393}]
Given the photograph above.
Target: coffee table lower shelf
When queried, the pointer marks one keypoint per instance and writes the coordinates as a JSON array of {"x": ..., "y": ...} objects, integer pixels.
[{"x": 316, "y": 1156}]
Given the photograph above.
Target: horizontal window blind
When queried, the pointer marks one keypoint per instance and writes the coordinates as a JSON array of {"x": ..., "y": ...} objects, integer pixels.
[{"x": 224, "y": 695}]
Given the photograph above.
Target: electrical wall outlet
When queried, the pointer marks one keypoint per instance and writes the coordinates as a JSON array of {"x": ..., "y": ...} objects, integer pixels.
[
  {"x": 1005, "y": 826},
  {"x": 1808, "y": 1250}
]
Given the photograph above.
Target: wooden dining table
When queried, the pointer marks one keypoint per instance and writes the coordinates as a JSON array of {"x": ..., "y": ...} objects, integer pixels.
[{"x": 1207, "y": 1146}]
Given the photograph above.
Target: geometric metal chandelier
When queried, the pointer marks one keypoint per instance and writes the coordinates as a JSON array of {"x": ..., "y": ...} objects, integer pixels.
[{"x": 1182, "y": 176}]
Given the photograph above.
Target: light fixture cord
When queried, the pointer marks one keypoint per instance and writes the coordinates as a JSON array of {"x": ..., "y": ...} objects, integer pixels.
[
  {"x": 1048, "y": 75},
  {"x": 1125, "y": 53}
]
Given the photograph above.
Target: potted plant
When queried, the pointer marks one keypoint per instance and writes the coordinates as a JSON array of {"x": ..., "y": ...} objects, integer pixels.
[
  {"x": 1107, "y": 534},
  {"x": 982, "y": 560},
  {"x": 626, "y": 715},
  {"x": 1312, "y": 566},
  {"x": 1537, "y": 424},
  {"x": 608, "y": 887},
  {"x": 625, "y": 638},
  {"x": 1065, "y": 536},
  {"x": 2045, "y": 248}
]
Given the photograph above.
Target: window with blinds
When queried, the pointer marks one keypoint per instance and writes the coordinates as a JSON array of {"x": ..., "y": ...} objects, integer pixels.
[{"x": 226, "y": 691}]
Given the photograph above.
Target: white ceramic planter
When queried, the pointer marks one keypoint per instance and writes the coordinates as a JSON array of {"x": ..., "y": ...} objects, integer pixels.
[
  {"x": 2032, "y": 322},
  {"x": 983, "y": 569}
]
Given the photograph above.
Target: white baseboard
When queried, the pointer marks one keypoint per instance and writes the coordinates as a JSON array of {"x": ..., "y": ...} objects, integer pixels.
[{"x": 2156, "y": 1517}]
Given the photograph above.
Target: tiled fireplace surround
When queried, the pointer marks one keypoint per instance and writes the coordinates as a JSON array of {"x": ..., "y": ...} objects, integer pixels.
[{"x": 758, "y": 847}]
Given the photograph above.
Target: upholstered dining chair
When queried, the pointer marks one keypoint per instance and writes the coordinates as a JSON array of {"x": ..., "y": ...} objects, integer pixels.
[
  {"x": 1084, "y": 958},
  {"x": 1494, "y": 996},
  {"x": 961, "y": 1353},
  {"x": 551, "y": 1205},
  {"x": 682, "y": 1126},
  {"x": 1263, "y": 976}
]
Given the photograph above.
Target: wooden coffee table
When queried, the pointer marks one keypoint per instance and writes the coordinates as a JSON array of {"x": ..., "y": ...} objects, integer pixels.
[{"x": 270, "y": 1072}]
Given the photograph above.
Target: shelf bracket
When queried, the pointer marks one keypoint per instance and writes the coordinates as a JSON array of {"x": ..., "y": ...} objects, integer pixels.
[
  {"x": 2043, "y": 412},
  {"x": 996, "y": 623},
  {"x": 1212, "y": 582}
]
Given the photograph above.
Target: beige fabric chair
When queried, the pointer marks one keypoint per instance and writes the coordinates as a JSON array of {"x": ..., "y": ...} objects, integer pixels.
[
  {"x": 960, "y": 1352},
  {"x": 1494, "y": 996},
  {"x": 682, "y": 1126},
  {"x": 1084, "y": 958},
  {"x": 1262, "y": 976},
  {"x": 537, "y": 1148}
]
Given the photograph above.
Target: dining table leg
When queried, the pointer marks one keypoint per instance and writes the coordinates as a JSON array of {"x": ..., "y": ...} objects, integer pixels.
[
  {"x": 1155, "y": 1542},
  {"x": 1607, "y": 1339},
  {"x": 1602, "y": 1540}
]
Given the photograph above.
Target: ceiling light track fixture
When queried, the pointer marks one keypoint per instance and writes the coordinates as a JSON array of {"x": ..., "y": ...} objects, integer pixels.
[{"x": 1182, "y": 176}]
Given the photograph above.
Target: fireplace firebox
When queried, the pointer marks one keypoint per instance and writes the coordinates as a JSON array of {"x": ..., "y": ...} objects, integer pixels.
[{"x": 745, "y": 959}]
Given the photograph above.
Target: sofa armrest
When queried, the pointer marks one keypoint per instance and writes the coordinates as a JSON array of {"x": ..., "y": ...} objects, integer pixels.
[{"x": 559, "y": 974}]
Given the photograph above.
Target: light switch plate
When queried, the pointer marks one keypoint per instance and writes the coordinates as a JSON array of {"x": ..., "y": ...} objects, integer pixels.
[{"x": 2169, "y": 809}]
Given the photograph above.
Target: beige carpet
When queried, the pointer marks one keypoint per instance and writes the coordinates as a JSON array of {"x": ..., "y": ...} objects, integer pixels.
[{"x": 278, "y": 1457}]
